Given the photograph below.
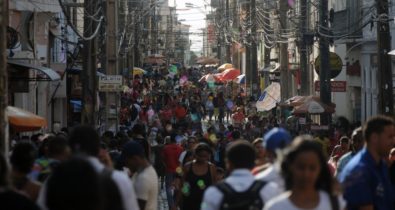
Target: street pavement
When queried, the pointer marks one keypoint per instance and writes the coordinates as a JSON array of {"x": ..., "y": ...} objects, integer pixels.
[{"x": 162, "y": 200}]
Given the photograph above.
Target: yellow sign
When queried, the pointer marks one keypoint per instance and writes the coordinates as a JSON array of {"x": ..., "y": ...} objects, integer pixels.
[{"x": 335, "y": 64}]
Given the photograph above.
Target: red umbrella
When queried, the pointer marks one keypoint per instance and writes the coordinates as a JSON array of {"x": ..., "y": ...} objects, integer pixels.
[{"x": 230, "y": 74}]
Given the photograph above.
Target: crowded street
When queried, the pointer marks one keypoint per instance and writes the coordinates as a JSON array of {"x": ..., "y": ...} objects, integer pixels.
[{"x": 197, "y": 105}]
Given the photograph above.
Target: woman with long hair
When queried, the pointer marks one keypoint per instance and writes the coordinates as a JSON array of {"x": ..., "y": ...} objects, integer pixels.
[{"x": 307, "y": 178}]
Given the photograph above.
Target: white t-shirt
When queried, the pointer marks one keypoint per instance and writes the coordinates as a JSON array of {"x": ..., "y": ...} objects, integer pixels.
[
  {"x": 272, "y": 174},
  {"x": 282, "y": 202},
  {"x": 146, "y": 187}
]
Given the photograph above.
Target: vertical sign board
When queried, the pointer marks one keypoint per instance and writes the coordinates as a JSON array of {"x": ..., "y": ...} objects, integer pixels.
[{"x": 110, "y": 83}]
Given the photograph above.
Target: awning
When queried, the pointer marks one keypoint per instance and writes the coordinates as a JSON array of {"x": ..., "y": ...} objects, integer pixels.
[
  {"x": 50, "y": 74},
  {"x": 21, "y": 120}
]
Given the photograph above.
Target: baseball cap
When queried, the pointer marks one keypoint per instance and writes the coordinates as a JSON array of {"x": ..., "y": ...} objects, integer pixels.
[
  {"x": 132, "y": 148},
  {"x": 276, "y": 138}
]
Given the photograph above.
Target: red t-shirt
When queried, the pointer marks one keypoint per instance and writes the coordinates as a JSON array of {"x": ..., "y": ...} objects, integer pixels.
[
  {"x": 180, "y": 112},
  {"x": 170, "y": 154}
]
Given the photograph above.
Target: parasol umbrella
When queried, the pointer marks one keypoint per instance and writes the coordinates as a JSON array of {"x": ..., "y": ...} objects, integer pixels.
[
  {"x": 225, "y": 66},
  {"x": 138, "y": 71},
  {"x": 21, "y": 120},
  {"x": 230, "y": 74},
  {"x": 269, "y": 98},
  {"x": 314, "y": 105},
  {"x": 294, "y": 101},
  {"x": 241, "y": 79}
]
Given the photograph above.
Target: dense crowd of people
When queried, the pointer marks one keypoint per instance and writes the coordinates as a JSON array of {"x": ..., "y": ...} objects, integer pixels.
[{"x": 207, "y": 148}]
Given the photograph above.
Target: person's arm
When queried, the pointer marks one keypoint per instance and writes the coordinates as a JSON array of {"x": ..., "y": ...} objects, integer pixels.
[{"x": 213, "y": 172}]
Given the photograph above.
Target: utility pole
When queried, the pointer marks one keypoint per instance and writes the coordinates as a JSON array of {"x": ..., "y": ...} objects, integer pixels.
[
  {"x": 248, "y": 51},
  {"x": 254, "y": 55},
  {"x": 284, "y": 74},
  {"x": 266, "y": 51},
  {"x": 325, "y": 74},
  {"x": 3, "y": 77},
  {"x": 228, "y": 40},
  {"x": 89, "y": 86},
  {"x": 304, "y": 67},
  {"x": 111, "y": 64},
  {"x": 384, "y": 63}
]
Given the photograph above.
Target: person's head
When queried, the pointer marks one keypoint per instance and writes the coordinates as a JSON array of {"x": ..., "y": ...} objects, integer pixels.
[
  {"x": 220, "y": 174},
  {"x": 356, "y": 139},
  {"x": 58, "y": 148},
  {"x": 23, "y": 157},
  {"x": 274, "y": 140},
  {"x": 74, "y": 184},
  {"x": 202, "y": 153},
  {"x": 345, "y": 143},
  {"x": 84, "y": 139},
  {"x": 133, "y": 155},
  {"x": 305, "y": 167},
  {"x": 139, "y": 129},
  {"x": 379, "y": 134},
  {"x": 191, "y": 143},
  {"x": 260, "y": 150},
  {"x": 240, "y": 155}
]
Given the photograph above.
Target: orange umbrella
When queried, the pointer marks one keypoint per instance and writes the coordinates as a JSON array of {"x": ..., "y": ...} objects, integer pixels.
[
  {"x": 21, "y": 120},
  {"x": 230, "y": 74}
]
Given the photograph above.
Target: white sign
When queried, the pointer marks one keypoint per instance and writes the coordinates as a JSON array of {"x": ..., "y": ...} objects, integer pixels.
[
  {"x": 110, "y": 83},
  {"x": 315, "y": 108}
]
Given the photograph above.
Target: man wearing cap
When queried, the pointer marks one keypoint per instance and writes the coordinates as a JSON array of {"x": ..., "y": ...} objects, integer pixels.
[
  {"x": 274, "y": 141},
  {"x": 144, "y": 178}
]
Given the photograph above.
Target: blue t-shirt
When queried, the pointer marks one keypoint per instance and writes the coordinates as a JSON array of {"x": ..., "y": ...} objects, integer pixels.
[{"x": 366, "y": 182}]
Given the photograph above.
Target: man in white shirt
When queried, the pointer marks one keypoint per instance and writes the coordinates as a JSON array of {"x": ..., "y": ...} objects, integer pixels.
[
  {"x": 274, "y": 141},
  {"x": 144, "y": 178},
  {"x": 240, "y": 160},
  {"x": 85, "y": 140}
]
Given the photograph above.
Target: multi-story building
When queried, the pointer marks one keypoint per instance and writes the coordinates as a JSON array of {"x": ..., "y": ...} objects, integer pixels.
[{"x": 37, "y": 59}]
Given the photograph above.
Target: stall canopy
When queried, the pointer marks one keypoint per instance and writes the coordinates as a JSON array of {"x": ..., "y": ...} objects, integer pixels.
[
  {"x": 269, "y": 98},
  {"x": 21, "y": 120},
  {"x": 313, "y": 105}
]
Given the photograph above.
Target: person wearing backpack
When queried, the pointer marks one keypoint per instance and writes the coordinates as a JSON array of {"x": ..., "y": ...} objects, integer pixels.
[{"x": 239, "y": 190}]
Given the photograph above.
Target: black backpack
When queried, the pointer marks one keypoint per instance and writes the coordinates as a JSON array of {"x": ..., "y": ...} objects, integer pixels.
[{"x": 247, "y": 200}]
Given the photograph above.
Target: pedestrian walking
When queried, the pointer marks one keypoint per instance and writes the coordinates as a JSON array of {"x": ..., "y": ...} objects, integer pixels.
[
  {"x": 75, "y": 185},
  {"x": 170, "y": 154},
  {"x": 22, "y": 160},
  {"x": 144, "y": 177},
  {"x": 239, "y": 190},
  {"x": 356, "y": 146},
  {"x": 308, "y": 181},
  {"x": 198, "y": 175},
  {"x": 365, "y": 179},
  {"x": 9, "y": 198},
  {"x": 274, "y": 141}
]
